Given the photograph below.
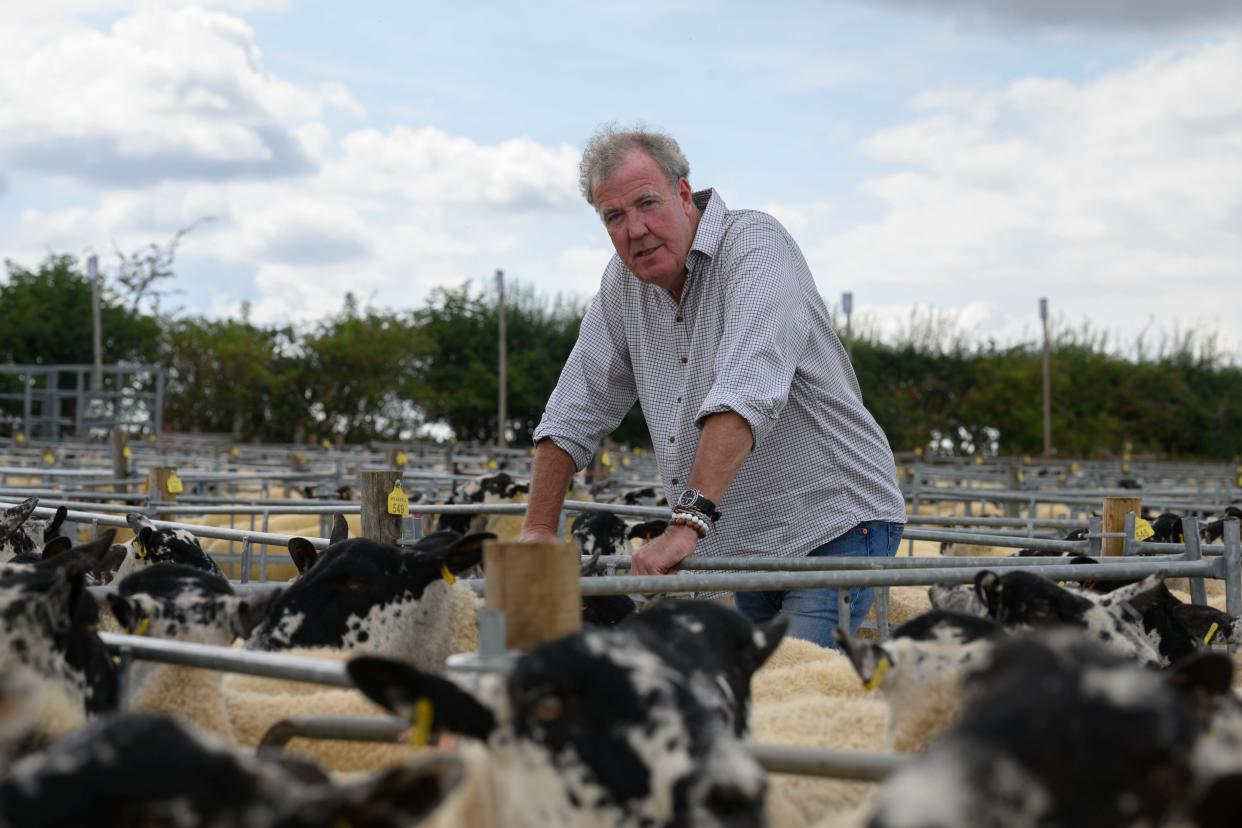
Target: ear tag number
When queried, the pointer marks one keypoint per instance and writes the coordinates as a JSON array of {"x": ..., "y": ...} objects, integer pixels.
[
  {"x": 881, "y": 670},
  {"x": 447, "y": 575},
  {"x": 174, "y": 485},
  {"x": 420, "y": 733},
  {"x": 1211, "y": 633},
  {"x": 1142, "y": 530},
  {"x": 398, "y": 503}
]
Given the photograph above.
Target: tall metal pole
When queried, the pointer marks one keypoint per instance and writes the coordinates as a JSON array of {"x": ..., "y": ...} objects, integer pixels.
[
  {"x": 847, "y": 305},
  {"x": 502, "y": 402},
  {"x": 1043, "y": 318},
  {"x": 92, "y": 273}
]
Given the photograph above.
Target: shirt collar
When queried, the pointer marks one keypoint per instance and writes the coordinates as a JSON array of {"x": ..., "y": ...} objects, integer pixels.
[{"x": 711, "y": 223}]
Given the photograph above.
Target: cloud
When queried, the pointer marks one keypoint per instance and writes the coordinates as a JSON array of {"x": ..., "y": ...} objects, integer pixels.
[
  {"x": 1095, "y": 14},
  {"x": 167, "y": 93},
  {"x": 1118, "y": 197}
]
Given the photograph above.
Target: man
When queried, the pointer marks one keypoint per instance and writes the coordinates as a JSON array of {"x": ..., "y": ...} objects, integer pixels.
[{"x": 711, "y": 319}]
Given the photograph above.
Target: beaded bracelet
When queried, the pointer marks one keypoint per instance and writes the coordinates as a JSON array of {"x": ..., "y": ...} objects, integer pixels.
[{"x": 700, "y": 526}]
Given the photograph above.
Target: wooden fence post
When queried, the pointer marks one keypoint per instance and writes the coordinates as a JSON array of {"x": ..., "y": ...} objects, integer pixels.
[
  {"x": 120, "y": 463},
  {"x": 536, "y": 586},
  {"x": 377, "y": 524},
  {"x": 1115, "y": 511}
]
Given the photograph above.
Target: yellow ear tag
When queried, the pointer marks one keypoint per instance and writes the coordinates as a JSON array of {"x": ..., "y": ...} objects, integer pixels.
[
  {"x": 401, "y": 458},
  {"x": 447, "y": 575},
  {"x": 143, "y": 627},
  {"x": 127, "y": 453},
  {"x": 605, "y": 459},
  {"x": 174, "y": 485},
  {"x": 492, "y": 464},
  {"x": 1142, "y": 530},
  {"x": 146, "y": 485},
  {"x": 1211, "y": 633},
  {"x": 420, "y": 733},
  {"x": 398, "y": 503},
  {"x": 234, "y": 452},
  {"x": 881, "y": 670}
]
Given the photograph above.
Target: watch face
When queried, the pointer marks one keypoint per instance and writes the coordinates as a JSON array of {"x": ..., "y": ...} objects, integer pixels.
[{"x": 687, "y": 498}]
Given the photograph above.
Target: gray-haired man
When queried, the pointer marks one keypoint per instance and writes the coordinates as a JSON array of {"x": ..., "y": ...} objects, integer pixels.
[{"x": 710, "y": 318}]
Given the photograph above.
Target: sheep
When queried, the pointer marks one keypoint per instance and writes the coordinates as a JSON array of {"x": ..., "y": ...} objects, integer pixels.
[
  {"x": 366, "y": 596},
  {"x": 1102, "y": 743},
  {"x": 599, "y": 728},
  {"x": 146, "y": 769},
  {"x": 152, "y": 545},
  {"x": 185, "y": 604}
]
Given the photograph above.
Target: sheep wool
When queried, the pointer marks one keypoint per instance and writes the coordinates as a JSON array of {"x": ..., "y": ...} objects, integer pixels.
[{"x": 192, "y": 695}]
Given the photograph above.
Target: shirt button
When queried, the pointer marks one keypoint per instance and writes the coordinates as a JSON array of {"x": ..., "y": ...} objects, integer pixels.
[
  {"x": 672, "y": 439},
  {"x": 679, "y": 317},
  {"x": 684, "y": 360},
  {"x": 679, "y": 399},
  {"x": 674, "y": 481}
]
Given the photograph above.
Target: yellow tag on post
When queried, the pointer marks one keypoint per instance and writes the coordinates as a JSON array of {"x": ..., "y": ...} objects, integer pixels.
[
  {"x": 146, "y": 485},
  {"x": 1026, "y": 459},
  {"x": 424, "y": 715},
  {"x": 492, "y": 464},
  {"x": 401, "y": 458},
  {"x": 625, "y": 461},
  {"x": 881, "y": 670},
  {"x": 605, "y": 459},
  {"x": 326, "y": 443},
  {"x": 175, "y": 485},
  {"x": 1021, "y": 475},
  {"x": 978, "y": 460},
  {"x": 1142, "y": 530},
  {"x": 398, "y": 503},
  {"x": 49, "y": 458},
  {"x": 1211, "y": 633},
  {"x": 150, "y": 438},
  {"x": 19, "y": 438},
  {"x": 127, "y": 453},
  {"x": 1125, "y": 468},
  {"x": 234, "y": 452},
  {"x": 447, "y": 575},
  {"x": 1073, "y": 468}
]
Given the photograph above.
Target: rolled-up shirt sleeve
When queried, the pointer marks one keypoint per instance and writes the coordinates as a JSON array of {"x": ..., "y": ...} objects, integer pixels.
[
  {"x": 765, "y": 329},
  {"x": 596, "y": 388}
]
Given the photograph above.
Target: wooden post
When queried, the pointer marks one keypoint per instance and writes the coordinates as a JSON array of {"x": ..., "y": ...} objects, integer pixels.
[
  {"x": 1013, "y": 508},
  {"x": 1115, "y": 511},
  {"x": 377, "y": 524},
  {"x": 120, "y": 465},
  {"x": 157, "y": 487},
  {"x": 536, "y": 586}
]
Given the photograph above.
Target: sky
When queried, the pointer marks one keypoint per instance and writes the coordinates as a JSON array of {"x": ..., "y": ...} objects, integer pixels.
[{"x": 960, "y": 158}]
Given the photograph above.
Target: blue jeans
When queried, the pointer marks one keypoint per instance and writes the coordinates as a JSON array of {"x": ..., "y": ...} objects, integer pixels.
[{"x": 813, "y": 612}]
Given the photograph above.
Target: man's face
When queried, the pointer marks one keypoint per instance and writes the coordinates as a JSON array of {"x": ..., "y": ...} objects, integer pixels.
[{"x": 651, "y": 223}]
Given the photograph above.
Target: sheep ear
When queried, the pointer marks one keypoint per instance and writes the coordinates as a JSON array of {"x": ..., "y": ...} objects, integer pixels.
[
  {"x": 399, "y": 687},
  {"x": 1201, "y": 678},
  {"x": 863, "y": 655},
  {"x": 52, "y": 530},
  {"x": 15, "y": 516},
  {"x": 340, "y": 529},
  {"x": 251, "y": 610},
  {"x": 988, "y": 588},
  {"x": 409, "y": 792},
  {"x": 56, "y": 546},
  {"x": 110, "y": 562},
  {"x": 304, "y": 554},
  {"x": 122, "y": 610},
  {"x": 768, "y": 637},
  {"x": 467, "y": 552}
]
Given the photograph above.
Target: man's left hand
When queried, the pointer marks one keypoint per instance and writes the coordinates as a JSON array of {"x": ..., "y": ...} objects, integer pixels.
[{"x": 663, "y": 553}]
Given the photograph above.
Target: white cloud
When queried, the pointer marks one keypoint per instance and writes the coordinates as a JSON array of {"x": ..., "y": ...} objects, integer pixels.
[
  {"x": 1118, "y": 197},
  {"x": 166, "y": 93}
]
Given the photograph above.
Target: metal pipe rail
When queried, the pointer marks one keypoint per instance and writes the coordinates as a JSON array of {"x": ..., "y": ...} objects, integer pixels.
[
  {"x": 834, "y": 564},
  {"x": 857, "y": 765},
  {"x": 252, "y": 663},
  {"x": 853, "y": 579}
]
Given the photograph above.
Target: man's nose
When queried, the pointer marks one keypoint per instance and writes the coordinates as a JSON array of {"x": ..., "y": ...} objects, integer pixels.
[{"x": 635, "y": 226}]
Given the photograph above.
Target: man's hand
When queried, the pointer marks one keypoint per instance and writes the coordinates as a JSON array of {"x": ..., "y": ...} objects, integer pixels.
[
  {"x": 539, "y": 534},
  {"x": 665, "y": 552}
]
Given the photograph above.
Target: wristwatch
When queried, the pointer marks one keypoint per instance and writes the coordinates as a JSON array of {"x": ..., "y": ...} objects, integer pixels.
[{"x": 693, "y": 500}]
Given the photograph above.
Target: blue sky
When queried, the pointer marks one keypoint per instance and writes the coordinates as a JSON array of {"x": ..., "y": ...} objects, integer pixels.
[{"x": 956, "y": 155}]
